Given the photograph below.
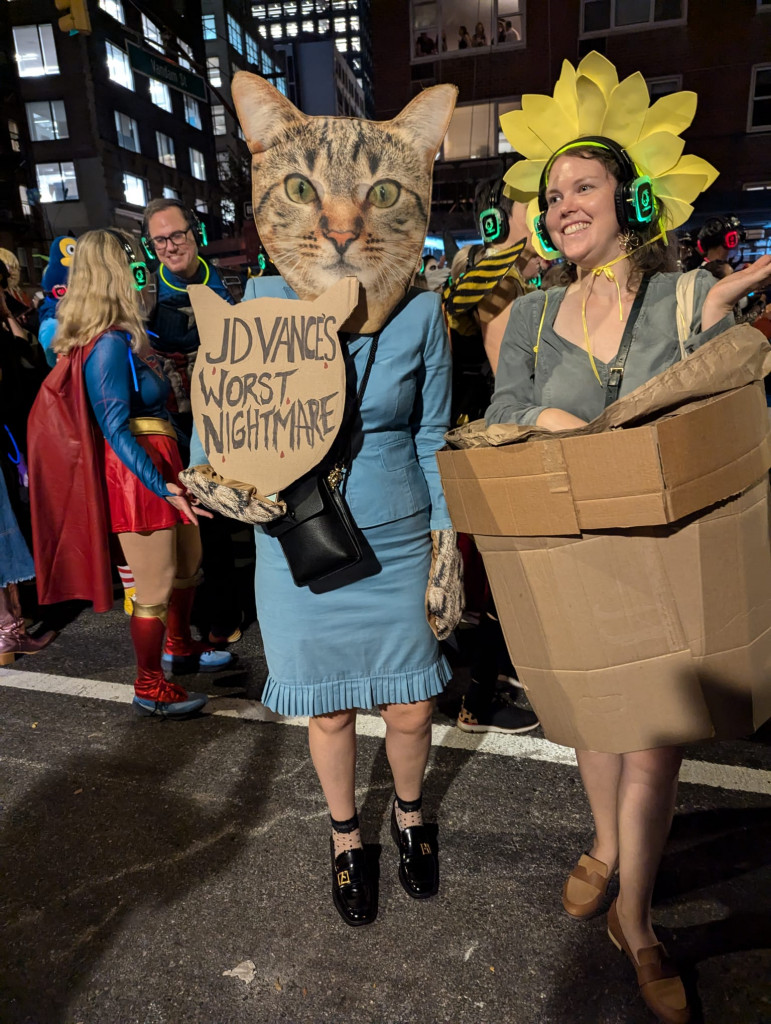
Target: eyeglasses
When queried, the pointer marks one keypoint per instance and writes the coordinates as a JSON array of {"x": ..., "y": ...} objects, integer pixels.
[{"x": 177, "y": 238}]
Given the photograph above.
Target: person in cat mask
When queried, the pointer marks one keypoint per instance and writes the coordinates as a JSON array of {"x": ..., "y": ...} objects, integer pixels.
[{"x": 336, "y": 198}]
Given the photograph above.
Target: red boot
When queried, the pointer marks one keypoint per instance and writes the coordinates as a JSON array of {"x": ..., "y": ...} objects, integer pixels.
[
  {"x": 154, "y": 694},
  {"x": 182, "y": 653}
]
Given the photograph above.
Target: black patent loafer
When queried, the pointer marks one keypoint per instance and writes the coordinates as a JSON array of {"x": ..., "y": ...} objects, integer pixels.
[
  {"x": 418, "y": 859},
  {"x": 352, "y": 891}
]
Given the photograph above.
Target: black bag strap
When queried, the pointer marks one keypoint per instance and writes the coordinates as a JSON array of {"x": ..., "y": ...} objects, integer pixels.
[{"x": 616, "y": 373}]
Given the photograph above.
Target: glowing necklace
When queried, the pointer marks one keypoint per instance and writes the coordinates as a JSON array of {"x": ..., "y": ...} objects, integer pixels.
[{"x": 174, "y": 287}]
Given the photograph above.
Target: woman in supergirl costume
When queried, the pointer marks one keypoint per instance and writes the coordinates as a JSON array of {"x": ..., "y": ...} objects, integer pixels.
[{"x": 104, "y": 460}]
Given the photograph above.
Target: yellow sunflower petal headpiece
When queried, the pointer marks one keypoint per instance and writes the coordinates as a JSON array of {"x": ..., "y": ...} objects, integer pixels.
[{"x": 590, "y": 101}]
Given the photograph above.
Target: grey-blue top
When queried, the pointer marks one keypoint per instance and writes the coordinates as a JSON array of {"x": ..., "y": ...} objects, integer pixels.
[{"x": 563, "y": 377}]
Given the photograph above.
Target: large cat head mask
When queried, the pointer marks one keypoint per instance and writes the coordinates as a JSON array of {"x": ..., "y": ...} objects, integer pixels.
[{"x": 340, "y": 197}]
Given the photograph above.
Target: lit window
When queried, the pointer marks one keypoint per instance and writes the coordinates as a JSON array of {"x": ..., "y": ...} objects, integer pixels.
[
  {"x": 600, "y": 16},
  {"x": 760, "y": 99},
  {"x": 201, "y": 206},
  {"x": 209, "y": 27},
  {"x": 280, "y": 84},
  {"x": 192, "y": 112},
  {"x": 47, "y": 120},
  {"x": 354, "y": 22},
  {"x": 152, "y": 33},
  {"x": 13, "y": 132},
  {"x": 223, "y": 165},
  {"x": 127, "y": 131},
  {"x": 472, "y": 132},
  {"x": 184, "y": 54},
  {"x": 234, "y": 34},
  {"x": 160, "y": 95},
  {"x": 341, "y": 43},
  {"x": 504, "y": 146},
  {"x": 276, "y": 31},
  {"x": 56, "y": 182},
  {"x": 26, "y": 209},
  {"x": 323, "y": 26},
  {"x": 228, "y": 211},
  {"x": 252, "y": 50},
  {"x": 308, "y": 26},
  {"x": 355, "y": 43},
  {"x": 267, "y": 64},
  {"x": 35, "y": 50},
  {"x": 170, "y": 193},
  {"x": 218, "y": 125},
  {"x": 340, "y": 25},
  {"x": 166, "y": 154},
  {"x": 134, "y": 190},
  {"x": 213, "y": 71},
  {"x": 118, "y": 67},
  {"x": 114, "y": 8},
  {"x": 291, "y": 29},
  {"x": 307, "y": 6},
  {"x": 262, "y": 30},
  {"x": 290, "y": 8},
  {"x": 274, "y": 10},
  {"x": 258, "y": 10},
  {"x": 197, "y": 164}
]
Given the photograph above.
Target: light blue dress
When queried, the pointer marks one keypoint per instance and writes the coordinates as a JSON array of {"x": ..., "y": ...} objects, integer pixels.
[{"x": 368, "y": 643}]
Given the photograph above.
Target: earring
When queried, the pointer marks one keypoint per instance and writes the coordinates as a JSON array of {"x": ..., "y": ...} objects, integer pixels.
[{"x": 628, "y": 241}]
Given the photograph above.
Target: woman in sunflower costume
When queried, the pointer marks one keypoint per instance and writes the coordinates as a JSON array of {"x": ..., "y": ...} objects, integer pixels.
[{"x": 606, "y": 179}]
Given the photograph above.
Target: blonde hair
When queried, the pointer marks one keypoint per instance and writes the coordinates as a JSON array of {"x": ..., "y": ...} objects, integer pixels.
[{"x": 100, "y": 295}]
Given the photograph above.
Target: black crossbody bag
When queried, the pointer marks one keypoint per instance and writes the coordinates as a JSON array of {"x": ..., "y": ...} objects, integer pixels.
[{"x": 318, "y": 534}]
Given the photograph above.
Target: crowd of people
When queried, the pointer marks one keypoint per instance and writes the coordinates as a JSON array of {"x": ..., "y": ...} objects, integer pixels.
[{"x": 573, "y": 252}]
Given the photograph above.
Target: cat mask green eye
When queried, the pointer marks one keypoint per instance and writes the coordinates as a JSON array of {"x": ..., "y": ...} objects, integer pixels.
[
  {"x": 299, "y": 189},
  {"x": 384, "y": 193}
]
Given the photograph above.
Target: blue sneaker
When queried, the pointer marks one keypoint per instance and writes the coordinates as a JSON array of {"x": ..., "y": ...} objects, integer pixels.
[
  {"x": 204, "y": 661},
  {"x": 165, "y": 709}
]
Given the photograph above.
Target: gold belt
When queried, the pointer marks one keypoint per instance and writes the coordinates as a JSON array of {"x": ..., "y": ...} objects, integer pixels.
[{"x": 152, "y": 425}]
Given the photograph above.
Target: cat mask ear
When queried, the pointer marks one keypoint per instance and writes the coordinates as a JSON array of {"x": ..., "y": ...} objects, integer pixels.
[
  {"x": 262, "y": 110},
  {"x": 424, "y": 120}
]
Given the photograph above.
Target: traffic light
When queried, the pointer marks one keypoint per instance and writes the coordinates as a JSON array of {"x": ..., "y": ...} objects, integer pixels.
[{"x": 76, "y": 19}]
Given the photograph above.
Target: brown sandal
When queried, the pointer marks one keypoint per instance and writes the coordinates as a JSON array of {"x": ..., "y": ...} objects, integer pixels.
[
  {"x": 660, "y": 983},
  {"x": 585, "y": 886}
]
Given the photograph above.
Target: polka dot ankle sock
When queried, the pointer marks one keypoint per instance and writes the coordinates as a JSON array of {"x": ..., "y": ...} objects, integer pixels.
[
  {"x": 408, "y": 812},
  {"x": 346, "y": 835}
]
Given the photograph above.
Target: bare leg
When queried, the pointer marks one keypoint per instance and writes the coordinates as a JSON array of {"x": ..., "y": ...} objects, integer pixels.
[
  {"x": 408, "y": 742},
  {"x": 332, "y": 742},
  {"x": 601, "y": 774},
  {"x": 647, "y": 793}
]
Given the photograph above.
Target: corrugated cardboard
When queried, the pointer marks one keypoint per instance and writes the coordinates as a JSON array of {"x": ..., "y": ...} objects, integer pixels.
[
  {"x": 631, "y": 568},
  {"x": 641, "y": 476}
]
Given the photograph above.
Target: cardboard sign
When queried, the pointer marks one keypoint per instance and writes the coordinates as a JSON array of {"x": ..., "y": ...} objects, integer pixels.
[{"x": 268, "y": 390}]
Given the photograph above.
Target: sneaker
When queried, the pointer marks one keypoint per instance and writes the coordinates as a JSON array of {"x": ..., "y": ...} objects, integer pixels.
[
  {"x": 166, "y": 709},
  {"x": 205, "y": 661},
  {"x": 498, "y": 716}
]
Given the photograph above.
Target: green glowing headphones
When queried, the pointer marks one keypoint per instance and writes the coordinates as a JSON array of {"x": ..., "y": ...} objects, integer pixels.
[{"x": 138, "y": 267}]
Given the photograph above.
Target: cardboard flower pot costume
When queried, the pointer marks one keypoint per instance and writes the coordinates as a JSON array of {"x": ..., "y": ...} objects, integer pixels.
[{"x": 347, "y": 371}]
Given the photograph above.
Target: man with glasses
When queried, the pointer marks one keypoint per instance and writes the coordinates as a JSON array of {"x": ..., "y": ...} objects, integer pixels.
[{"x": 171, "y": 235}]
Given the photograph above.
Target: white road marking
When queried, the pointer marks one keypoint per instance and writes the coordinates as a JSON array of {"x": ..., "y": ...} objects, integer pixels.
[{"x": 699, "y": 773}]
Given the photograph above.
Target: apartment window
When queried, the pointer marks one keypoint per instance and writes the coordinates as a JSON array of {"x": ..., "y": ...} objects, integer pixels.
[
  {"x": 160, "y": 95},
  {"x": 665, "y": 86},
  {"x": 475, "y": 133},
  {"x": 135, "y": 190},
  {"x": 276, "y": 30},
  {"x": 209, "y": 26},
  {"x": 197, "y": 164},
  {"x": 213, "y": 71},
  {"x": 460, "y": 26},
  {"x": 26, "y": 209},
  {"x": 258, "y": 10},
  {"x": 201, "y": 206},
  {"x": 291, "y": 29},
  {"x": 218, "y": 119},
  {"x": 252, "y": 50},
  {"x": 118, "y": 67},
  {"x": 56, "y": 182},
  {"x": 13, "y": 132},
  {"x": 152, "y": 33},
  {"x": 759, "y": 119},
  {"x": 308, "y": 26},
  {"x": 114, "y": 8},
  {"x": 47, "y": 120},
  {"x": 274, "y": 10},
  {"x": 192, "y": 112},
  {"x": 764, "y": 5},
  {"x": 35, "y": 50},
  {"x": 228, "y": 211},
  {"x": 184, "y": 54},
  {"x": 323, "y": 26},
  {"x": 166, "y": 154},
  {"x": 234, "y": 34},
  {"x": 601, "y": 16},
  {"x": 128, "y": 132},
  {"x": 170, "y": 193},
  {"x": 290, "y": 8},
  {"x": 223, "y": 165}
]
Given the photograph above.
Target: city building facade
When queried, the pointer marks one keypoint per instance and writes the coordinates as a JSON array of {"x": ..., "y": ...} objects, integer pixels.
[{"x": 511, "y": 47}]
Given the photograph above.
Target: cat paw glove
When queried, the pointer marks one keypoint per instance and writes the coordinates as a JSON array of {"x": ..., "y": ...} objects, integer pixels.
[
  {"x": 229, "y": 497},
  {"x": 444, "y": 594}
]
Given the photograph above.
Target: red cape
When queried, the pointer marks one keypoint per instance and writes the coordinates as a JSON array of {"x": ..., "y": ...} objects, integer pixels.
[{"x": 68, "y": 498}]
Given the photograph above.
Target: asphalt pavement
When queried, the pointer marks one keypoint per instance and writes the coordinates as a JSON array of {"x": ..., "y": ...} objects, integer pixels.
[{"x": 178, "y": 873}]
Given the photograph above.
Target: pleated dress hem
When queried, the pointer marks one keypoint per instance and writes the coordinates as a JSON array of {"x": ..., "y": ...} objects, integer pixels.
[{"x": 362, "y": 692}]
